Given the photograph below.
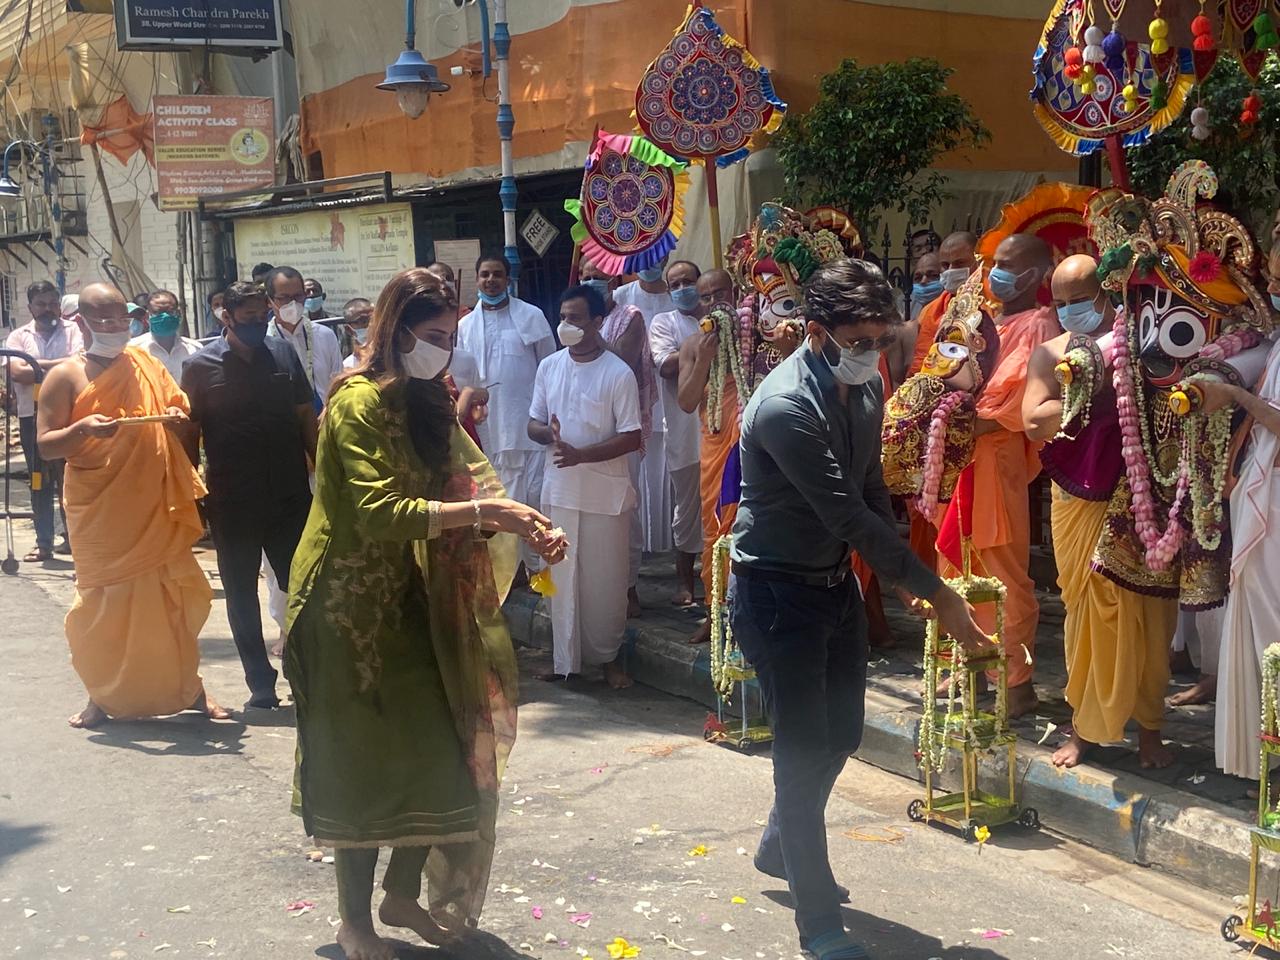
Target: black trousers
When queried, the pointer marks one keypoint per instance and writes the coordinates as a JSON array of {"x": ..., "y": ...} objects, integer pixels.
[
  {"x": 809, "y": 649},
  {"x": 242, "y": 532}
]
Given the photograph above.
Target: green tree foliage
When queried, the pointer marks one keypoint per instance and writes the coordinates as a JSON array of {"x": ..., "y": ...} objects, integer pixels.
[
  {"x": 1245, "y": 160},
  {"x": 867, "y": 144}
]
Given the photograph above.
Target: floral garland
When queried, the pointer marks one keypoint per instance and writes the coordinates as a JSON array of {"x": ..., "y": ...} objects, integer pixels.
[
  {"x": 1078, "y": 375},
  {"x": 934, "y": 453},
  {"x": 932, "y": 742},
  {"x": 733, "y": 356},
  {"x": 721, "y": 628},
  {"x": 1211, "y": 431},
  {"x": 1160, "y": 548},
  {"x": 1269, "y": 726}
]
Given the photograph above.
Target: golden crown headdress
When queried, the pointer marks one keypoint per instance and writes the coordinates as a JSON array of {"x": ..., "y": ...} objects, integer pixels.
[
  {"x": 797, "y": 243},
  {"x": 1202, "y": 253}
]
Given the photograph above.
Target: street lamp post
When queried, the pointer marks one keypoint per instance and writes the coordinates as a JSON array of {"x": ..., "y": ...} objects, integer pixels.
[{"x": 414, "y": 80}]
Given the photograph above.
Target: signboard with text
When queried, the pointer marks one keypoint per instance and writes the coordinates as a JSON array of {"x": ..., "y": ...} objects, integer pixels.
[
  {"x": 353, "y": 252},
  {"x": 212, "y": 145},
  {"x": 163, "y": 24}
]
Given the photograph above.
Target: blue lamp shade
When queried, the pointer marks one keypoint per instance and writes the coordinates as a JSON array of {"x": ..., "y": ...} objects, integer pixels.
[{"x": 413, "y": 80}]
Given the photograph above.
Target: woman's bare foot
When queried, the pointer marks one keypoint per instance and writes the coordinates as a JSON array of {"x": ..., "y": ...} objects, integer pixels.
[
  {"x": 397, "y": 911},
  {"x": 1072, "y": 752},
  {"x": 633, "y": 603},
  {"x": 361, "y": 943},
  {"x": 1152, "y": 752},
  {"x": 277, "y": 648},
  {"x": 210, "y": 707},
  {"x": 88, "y": 718},
  {"x": 1022, "y": 700},
  {"x": 683, "y": 597},
  {"x": 616, "y": 677},
  {"x": 703, "y": 635},
  {"x": 1205, "y": 690}
]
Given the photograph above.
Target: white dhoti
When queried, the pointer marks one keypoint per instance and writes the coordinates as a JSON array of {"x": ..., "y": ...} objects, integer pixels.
[
  {"x": 686, "y": 523},
  {"x": 521, "y": 473},
  {"x": 1199, "y": 633},
  {"x": 277, "y": 599},
  {"x": 589, "y": 607},
  {"x": 655, "y": 494},
  {"x": 1249, "y": 626}
]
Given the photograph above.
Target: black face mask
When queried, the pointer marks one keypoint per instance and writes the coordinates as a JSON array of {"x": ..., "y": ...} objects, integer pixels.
[{"x": 250, "y": 334}]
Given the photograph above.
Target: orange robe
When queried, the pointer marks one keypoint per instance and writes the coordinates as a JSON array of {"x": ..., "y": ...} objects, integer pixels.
[
  {"x": 1004, "y": 463},
  {"x": 141, "y": 598},
  {"x": 716, "y": 447}
]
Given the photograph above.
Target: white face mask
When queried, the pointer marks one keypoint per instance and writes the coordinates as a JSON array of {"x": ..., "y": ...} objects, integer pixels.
[
  {"x": 570, "y": 335},
  {"x": 108, "y": 346},
  {"x": 290, "y": 313},
  {"x": 221, "y": 314},
  {"x": 853, "y": 369},
  {"x": 953, "y": 278},
  {"x": 425, "y": 361}
]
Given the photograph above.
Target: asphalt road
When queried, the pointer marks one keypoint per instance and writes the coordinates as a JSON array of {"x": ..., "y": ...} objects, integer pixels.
[{"x": 173, "y": 838}]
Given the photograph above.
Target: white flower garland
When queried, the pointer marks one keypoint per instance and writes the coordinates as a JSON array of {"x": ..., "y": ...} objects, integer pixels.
[{"x": 722, "y": 645}]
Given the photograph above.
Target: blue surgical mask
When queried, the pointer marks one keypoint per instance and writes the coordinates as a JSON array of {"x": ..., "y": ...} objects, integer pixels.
[
  {"x": 313, "y": 304},
  {"x": 1082, "y": 317},
  {"x": 360, "y": 335},
  {"x": 136, "y": 329},
  {"x": 922, "y": 293},
  {"x": 489, "y": 300},
  {"x": 650, "y": 274},
  {"x": 599, "y": 286},
  {"x": 1275, "y": 302},
  {"x": 164, "y": 325},
  {"x": 250, "y": 334},
  {"x": 685, "y": 299},
  {"x": 1007, "y": 285}
]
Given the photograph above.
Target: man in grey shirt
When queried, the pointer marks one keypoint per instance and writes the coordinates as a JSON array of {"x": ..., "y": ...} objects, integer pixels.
[{"x": 812, "y": 492}]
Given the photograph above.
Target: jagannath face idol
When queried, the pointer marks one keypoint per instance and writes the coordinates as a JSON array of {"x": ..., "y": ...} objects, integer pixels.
[
  {"x": 776, "y": 303},
  {"x": 1171, "y": 332}
]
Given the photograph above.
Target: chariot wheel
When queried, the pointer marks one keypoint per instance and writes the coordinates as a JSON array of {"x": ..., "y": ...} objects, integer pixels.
[
  {"x": 1231, "y": 928},
  {"x": 9, "y": 565},
  {"x": 971, "y": 833},
  {"x": 915, "y": 811},
  {"x": 1030, "y": 818}
]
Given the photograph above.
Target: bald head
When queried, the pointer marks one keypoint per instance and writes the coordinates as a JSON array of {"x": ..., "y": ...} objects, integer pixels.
[
  {"x": 101, "y": 300},
  {"x": 957, "y": 250},
  {"x": 715, "y": 286},
  {"x": 1076, "y": 279},
  {"x": 926, "y": 268},
  {"x": 1024, "y": 251}
]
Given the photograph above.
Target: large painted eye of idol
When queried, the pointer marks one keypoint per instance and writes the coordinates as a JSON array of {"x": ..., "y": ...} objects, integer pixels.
[
  {"x": 948, "y": 360},
  {"x": 775, "y": 303},
  {"x": 1172, "y": 331}
]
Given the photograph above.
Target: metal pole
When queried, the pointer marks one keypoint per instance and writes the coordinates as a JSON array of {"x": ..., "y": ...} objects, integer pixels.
[
  {"x": 55, "y": 208},
  {"x": 506, "y": 124}
]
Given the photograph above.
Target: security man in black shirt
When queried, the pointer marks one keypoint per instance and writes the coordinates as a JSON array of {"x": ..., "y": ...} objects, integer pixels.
[{"x": 251, "y": 405}]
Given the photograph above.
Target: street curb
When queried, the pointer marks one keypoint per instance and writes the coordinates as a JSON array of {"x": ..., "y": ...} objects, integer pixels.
[{"x": 1128, "y": 816}]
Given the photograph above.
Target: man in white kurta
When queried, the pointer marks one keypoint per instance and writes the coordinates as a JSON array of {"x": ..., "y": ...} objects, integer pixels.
[
  {"x": 586, "y": 411},
  {"x": 649, "y": 295},
  {"x": 667, "y": 332},
  {"x": 508, "y": 339},
  {"x": 1253, "y": 605}
]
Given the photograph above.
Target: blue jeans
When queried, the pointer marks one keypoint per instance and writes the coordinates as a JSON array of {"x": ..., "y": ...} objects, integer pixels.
[
  {"x": 809, "y": 649},
  {"x": 42, "y": 500}
]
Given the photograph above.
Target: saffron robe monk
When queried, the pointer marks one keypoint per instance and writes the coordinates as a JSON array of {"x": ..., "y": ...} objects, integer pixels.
[
  {"x": 1116, "y": 640},
  {"x": 1005, "y": 460},
  {"x": 697, "y": 355},
  {"x": 141, "y": 598}
]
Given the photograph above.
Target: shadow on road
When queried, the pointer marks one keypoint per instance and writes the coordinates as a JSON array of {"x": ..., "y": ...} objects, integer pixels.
[
  {"x": 887, "y": 940},
  {"x": 15, "y": 838},
  {"x": 187, "y": 735},
  {"x": 477, "y": 945}
]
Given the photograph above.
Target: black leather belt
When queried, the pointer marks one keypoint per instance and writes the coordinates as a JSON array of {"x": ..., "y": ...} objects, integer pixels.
[{"x": 834, "y": 579}]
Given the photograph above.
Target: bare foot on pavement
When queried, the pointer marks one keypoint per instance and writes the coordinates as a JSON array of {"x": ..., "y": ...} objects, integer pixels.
[
  {"x": 88, "y": 718},
  {"x": 1072, "y": 752},
  {"x": 361, "y": 944},
  {"x": 402, "y": 912},
  {"x": 1152, "y": 752},
  {"x": 1022, "y": 700},
  {"x": 1204, "y": 690},
  {"x": 616, "y": 677}
]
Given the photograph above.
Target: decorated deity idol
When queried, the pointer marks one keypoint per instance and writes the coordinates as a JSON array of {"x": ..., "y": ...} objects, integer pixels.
[
  {"x": 927, "y": 437},
  {"x": 770, "y": 263},
  {"x": 1192, "y": 310}
]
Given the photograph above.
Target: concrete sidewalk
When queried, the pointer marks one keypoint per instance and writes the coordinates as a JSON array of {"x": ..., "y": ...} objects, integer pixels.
[{"x": 1188, "y": 820}]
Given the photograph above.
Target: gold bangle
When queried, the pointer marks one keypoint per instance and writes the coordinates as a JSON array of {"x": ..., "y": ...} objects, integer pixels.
[
  {"x": 434, "y": 520},
  {"x": 476, "y": 530}
]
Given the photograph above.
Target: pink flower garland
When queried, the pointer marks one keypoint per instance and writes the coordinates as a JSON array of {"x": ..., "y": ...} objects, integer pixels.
[
  {"x": 1229, "y": 344},
  {"x": 934, "y": 452},
  {"x": 1160, "y": 548}
]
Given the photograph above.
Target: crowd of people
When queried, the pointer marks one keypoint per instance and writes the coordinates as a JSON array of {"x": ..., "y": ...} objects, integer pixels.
[{"x": 392, "y": 495}]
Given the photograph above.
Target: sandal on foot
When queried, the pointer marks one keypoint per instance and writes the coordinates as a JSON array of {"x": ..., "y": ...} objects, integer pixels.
[{"x": 38, "y": 555}]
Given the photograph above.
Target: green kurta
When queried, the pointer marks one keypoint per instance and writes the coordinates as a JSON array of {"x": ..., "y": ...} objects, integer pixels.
[{"x": 400, "y": 662}]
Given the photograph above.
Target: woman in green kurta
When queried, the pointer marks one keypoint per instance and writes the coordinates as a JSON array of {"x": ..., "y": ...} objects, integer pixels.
[{"x": 401, "y": 665}]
